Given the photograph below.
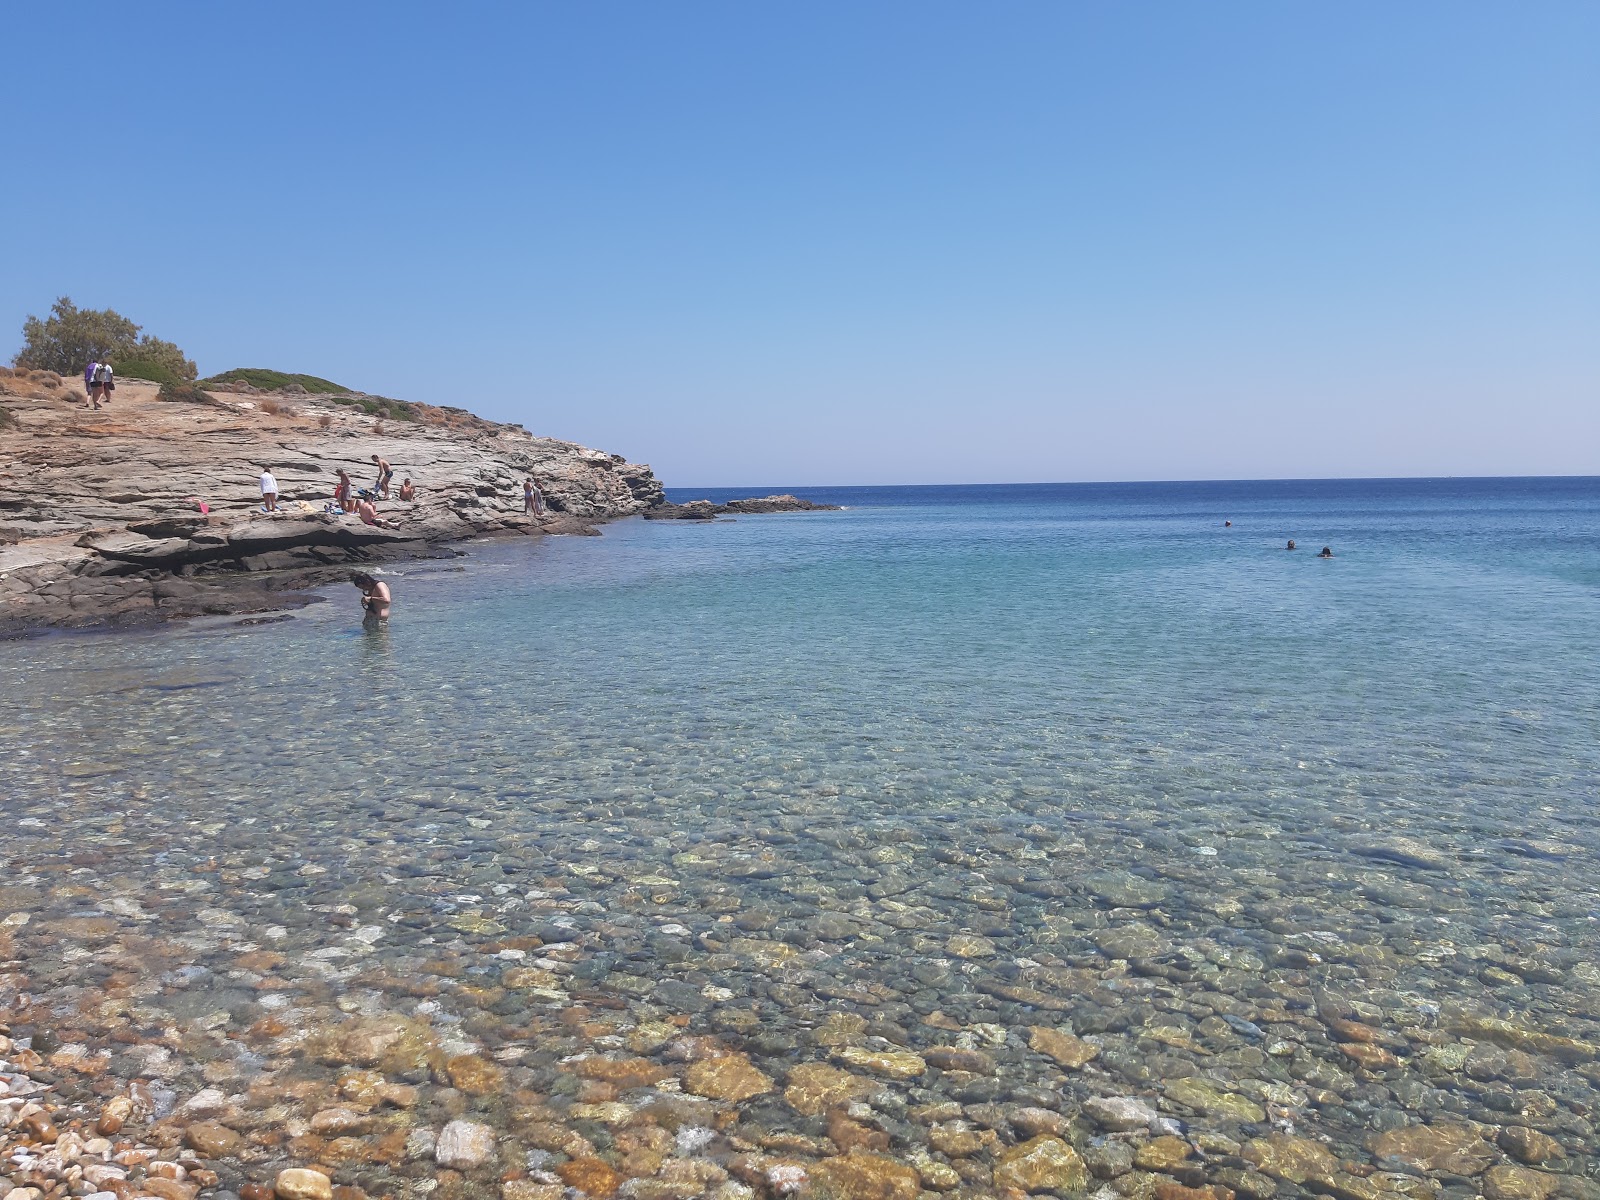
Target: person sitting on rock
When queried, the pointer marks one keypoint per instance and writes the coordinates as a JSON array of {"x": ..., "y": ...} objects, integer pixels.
[
  {"x": 375, "y": 597},
  {"x": 368, "y": 512},
  {"x": 408, "y": 490}
]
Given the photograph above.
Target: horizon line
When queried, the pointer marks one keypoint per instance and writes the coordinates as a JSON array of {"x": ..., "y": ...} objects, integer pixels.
[{"x": 1117, "y": 482}]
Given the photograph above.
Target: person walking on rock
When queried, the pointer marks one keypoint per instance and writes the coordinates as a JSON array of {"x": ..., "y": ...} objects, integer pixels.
[
  {"x": 102, "y": 383},
  {"x": 88, "y": 382},
  {"x": 269, "y": 491},
  {"x": 385, "y": 473}
]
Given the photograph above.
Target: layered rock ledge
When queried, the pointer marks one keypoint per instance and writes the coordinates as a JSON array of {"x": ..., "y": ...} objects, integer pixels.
[
  {"x": 705, "y": 510},
  {"x": 101, "y": 521}
]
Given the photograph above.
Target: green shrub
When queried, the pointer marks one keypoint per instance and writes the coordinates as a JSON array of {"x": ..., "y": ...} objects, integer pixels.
[
  {"x": 70, "y": 337},
  {"x": 183, "y": 392},
  {"x": 271, "y": 381},
  {"x": 142, "y": 368}
]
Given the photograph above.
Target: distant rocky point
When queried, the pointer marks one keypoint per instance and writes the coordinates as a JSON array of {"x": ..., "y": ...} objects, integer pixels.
[{"x": 705, "y": 510}]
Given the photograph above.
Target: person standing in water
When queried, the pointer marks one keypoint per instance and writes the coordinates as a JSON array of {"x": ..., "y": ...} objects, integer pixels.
[{"x": 375, "y": 597}]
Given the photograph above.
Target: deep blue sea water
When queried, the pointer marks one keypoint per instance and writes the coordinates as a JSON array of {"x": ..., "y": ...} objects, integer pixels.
[{"x": 1031, "y": 714}]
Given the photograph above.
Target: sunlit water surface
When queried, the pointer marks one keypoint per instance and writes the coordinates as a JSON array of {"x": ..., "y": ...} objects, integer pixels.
[{"x": 959, "y": 761}]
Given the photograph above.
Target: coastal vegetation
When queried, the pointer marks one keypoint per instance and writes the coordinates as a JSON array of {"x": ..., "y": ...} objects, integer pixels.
[
  {"x": 295, "y": 384},
  {"x": 275, "y": 381},
  {"x": 71, "y": 336}
]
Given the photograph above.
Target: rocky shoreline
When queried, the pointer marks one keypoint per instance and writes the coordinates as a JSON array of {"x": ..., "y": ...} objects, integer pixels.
[{"x": 100, "y": 520}]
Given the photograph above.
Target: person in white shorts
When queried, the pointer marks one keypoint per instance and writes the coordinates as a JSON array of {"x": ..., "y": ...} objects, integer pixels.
[{"x": 269, "y": 490}]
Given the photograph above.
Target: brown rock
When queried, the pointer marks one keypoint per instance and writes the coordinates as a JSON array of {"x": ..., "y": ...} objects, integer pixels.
[
  {"x": 849, "y": 1135},
  {"x": 956, "y": 1139},
  {"x": 168, "y": 1189},
  {"x": 1518, "y": 1183},
  {"x": 211, "y": 1140},
  {"x": 527, "y": 1189},
  {"x": 1171, "y": 1189},
  {"x": 813, "y": 1088},
  {"x": 1042, "y": 1164},
  {"x": 624, "y": 1072},
  {"x": 732, "y": 1077},
  {"x": 114, "y": 1115},
  {"x": 858, "y": 1176},
  {"x": 473, "y": 1075},
  {"x": 1351, "y": 1031},
  {"x": 1296, "y": 1159},
  {"x": 1032, "y": 1121},
  {"x": 590, "y": 1175},
  {"x": 340, "y": 1122},
  {"x": 1458, "y": 1149},
  {"x": 1070, "y": 1052},
  {"x": 951, "y": 1058},
  {"x": 892, "y": 1064},
  {"x": 301, "y": 1183},
  {"x": 1529, "y": 1145},
  {"x": 1373, "y": 1058},
  {"x": 255, "y": 1191},
  {"x": 1162, "y": 1154}
]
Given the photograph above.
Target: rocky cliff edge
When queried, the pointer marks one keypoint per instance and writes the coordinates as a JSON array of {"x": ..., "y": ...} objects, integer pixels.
[{"x": 100, "y": 517}]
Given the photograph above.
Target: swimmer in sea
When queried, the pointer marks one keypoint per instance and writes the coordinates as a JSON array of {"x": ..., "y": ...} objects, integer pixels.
[
  {"x": 375, "y": 597},
  {"x": 1325, "y": 552},
  {"x": 1291, "y": 545}
]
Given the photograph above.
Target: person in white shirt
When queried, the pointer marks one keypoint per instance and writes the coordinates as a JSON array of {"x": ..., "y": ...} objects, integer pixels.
[{"x": 269, "y": 491}]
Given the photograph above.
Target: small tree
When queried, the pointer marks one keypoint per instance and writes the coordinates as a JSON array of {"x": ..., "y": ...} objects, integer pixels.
[{"x": 72, "y": 336}]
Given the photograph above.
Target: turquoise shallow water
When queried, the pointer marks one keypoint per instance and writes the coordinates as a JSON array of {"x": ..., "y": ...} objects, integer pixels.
[{"x": 1050, "y": 718}]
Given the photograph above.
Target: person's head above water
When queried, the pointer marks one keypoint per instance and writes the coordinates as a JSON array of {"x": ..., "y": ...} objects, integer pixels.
[
  {"x": 1325, "y": 552},
  {"x": 1291, "y": 545}
]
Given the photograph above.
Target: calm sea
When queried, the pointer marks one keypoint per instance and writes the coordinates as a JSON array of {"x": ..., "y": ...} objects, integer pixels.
[{"x": 941, "y": 754}]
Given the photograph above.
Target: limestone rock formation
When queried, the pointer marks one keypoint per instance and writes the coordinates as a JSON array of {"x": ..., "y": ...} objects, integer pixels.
[
  {"x": 100, "y": 512},
  {"x": 705, "y": 510}
]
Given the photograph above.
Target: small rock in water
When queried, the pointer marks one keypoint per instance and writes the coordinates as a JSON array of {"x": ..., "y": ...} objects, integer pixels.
[
  {"x": 299, "y": 1183},
  {"x": 464, "y": 1145},
  {"x": 1119, "y": 1113}
]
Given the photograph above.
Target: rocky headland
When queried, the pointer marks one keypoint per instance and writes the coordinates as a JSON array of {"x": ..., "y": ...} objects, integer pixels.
[
  {"x": 101, "y": 519},
  {"x": 705, "y": 510}
]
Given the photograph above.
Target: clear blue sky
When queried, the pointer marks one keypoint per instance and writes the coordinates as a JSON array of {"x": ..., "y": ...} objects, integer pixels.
[{"x": 768, "y": 243}]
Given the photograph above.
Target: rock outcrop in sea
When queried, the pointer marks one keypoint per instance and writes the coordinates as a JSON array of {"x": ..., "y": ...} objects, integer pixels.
[{"x": 100, "y": 516}]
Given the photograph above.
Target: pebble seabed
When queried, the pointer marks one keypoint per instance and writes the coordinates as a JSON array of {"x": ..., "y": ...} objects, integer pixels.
[{"x": 489, "y": 994}]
